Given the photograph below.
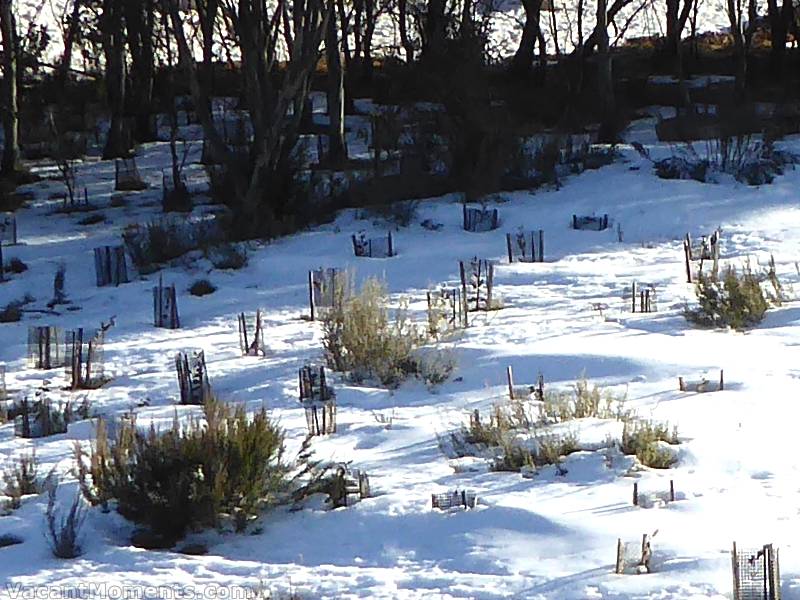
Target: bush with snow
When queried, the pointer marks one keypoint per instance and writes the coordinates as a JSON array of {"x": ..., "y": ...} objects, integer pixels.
[
  {"x": 736, "y": 299},
  {"x": 361, "y": 338}
]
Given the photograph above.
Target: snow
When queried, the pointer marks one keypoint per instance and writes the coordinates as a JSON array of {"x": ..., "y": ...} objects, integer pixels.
[{"x": 546, "y": 536}]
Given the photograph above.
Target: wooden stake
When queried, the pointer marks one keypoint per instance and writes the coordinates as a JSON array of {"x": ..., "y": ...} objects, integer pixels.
[
  {"x": 510, "y": 376},
  {"x": 635, "y": 493},
  {"x": 508, "y": 247},
  {"x": 620, "y": 564},
  {"x": 721, "y": 381},
  {"x": 671, "y": 490},
  {"x": 735, "y": 568},
  {"x": 541, "y": 245},
  {"x": 311, "y": 293},
  {"x": 687, "y": 253},
  {"x": 681, "y": 385}
]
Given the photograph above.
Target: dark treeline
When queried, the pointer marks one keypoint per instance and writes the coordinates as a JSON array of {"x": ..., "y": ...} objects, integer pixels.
[{"x": 127, "y": 61}]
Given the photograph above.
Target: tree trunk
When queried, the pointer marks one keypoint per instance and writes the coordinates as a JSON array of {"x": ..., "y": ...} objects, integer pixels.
[
  {"x": 408, "y": 48},
  {"x": 10, "y": 160},
  {"x": 605, "y": 80},
  {"x": 139, "y": 17},
  {"x": 69, "y": 43},
  {"x": 112, "y": 31},
  {"x": 523, "y": 58},
  {"x": 337, "y": 148},
  {"x": 434, "y": 30},
  {"x": 369, "y": 30},
  {"x": 779, "y": 19}
]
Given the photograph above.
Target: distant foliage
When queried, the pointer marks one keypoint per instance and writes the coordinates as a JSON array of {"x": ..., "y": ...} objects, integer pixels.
[
  {"x": 191, "y": 476},
  {"x": 736, "y": 299},
  {"x": 361, "y": 338}
]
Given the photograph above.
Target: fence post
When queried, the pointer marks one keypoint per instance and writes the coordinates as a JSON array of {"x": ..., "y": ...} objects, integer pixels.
[
  {"x": 541, "y": 245},
  {"x": 620, "y": 563},
  {"x": 735, "y": 569},
  {"x": 510, "y": 377},
  {"x": 635, "y": 493},
  {"x": 721, "y": 381},
  {"x": 633, "y": 297},
  {"x": 687, "y": 257},
  {"x": 671, "y": 490},
  {"x": 311, "y": 293},
  {"x": 508, "y": 247}
]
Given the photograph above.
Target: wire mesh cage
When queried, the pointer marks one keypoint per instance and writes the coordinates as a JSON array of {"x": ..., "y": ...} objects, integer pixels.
[
  {"x": 382, "y": 247},
  {"x": 525, "y": 246},
  {"x": 480, "y": 219},
  {"x": 45, "y": 347},
  {"x": 251, "y": 334},
  {"x": 756, "y": 573},
  {"x": 193, "y": 382},
  {"x": 477, "y": 283},
  {"x": 318, "y": 399},
  {"x": 83, "y": 358},
  {"x": 165, "y": 306}
]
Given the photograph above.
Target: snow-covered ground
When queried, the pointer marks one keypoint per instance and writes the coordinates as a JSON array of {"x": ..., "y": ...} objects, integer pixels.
[{"x": 548, "y": 536}]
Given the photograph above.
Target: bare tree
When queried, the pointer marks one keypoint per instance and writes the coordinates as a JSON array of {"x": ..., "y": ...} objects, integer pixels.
[
  {"x": 261, "y": 186},
  {"x": 10, "y": 160}
]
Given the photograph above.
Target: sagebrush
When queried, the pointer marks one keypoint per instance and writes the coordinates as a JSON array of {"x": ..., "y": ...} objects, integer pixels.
[
  {"x": 362, "y": 338},
  {"x": 641, "y": 438}
]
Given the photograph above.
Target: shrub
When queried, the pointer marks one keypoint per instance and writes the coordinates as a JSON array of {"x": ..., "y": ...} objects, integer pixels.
[
  {"x": 202, "y": 287},
  {"x": 12, "y": 312},
  {"x": 16, "y": 266},
  {"x": 749, "y": 160},
  {"x": 92, "y": 219},
  {"x": 402, "y": 213},
  {"x": 641, "y": 438},
  {"x": 516, "y": 455},
  {"x": 22, "y": 479},
  {"x": 228, "y": 256},
  {"x": 736, "y": 300},
  {"x": 436, "y": 366},
  {"x": 8, "y": 539},
  {"x": 582, "y": 402},
  {"x": 360, "y": 338},
  {"x": 157, "y": 243},
  {"x": 188, "y": 477},
  {"x": 164, "y": 240},
  {"x": 64, "y": 531},
  {"x": 550, "y": 449}
]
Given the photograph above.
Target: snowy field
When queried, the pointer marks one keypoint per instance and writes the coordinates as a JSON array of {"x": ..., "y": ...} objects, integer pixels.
[{"x": 547, "y": 537}]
